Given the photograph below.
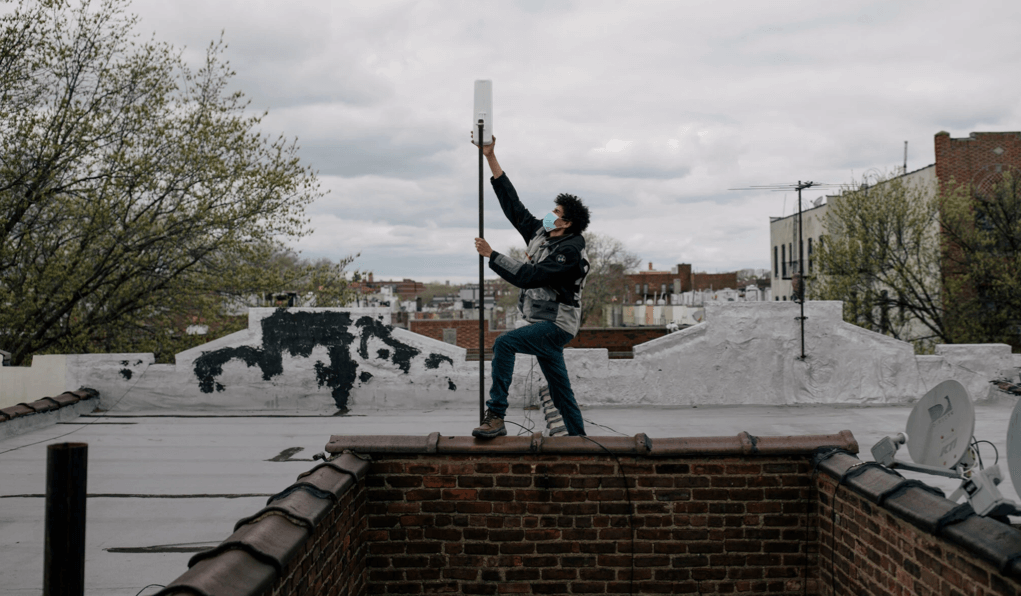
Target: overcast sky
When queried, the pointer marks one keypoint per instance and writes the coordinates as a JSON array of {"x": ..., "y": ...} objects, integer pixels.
[{"x": 649, "y": 111}]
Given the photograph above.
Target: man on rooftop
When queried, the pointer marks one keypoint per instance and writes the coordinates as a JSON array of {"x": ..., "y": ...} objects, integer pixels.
[{"x": 551, "y": 280}]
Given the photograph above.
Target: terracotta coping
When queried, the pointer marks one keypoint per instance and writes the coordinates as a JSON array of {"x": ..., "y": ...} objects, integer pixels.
[
  {"x": 257, "y": 553},
  {"x": 47, "y": 404},
  {"x": 741, "y": 444},
  {"x": 927, "y": 509}
]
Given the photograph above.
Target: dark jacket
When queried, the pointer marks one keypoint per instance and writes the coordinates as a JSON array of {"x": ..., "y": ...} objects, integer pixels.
[{"x": 552, "y": 278}]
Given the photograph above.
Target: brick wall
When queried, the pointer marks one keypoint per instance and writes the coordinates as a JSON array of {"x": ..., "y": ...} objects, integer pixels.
[
  {"x": 880, "y": 534},
  {"x": 974, "y": 159},
  {"x": 559, "y": 524},
  {"x": 467, "y": 330},
  {"x": 615, "y": 339},
  {"x": 716, "y": 281},
  {"x": 535, "y": 515}
]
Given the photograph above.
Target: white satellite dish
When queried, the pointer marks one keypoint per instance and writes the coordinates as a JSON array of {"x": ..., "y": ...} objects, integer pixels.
[
  {"x": 1014, "y": 447},
  {"x": 941, "y": 425},
  {"x": 939, "y": 439},
  {"x": 484, "y": 110}
]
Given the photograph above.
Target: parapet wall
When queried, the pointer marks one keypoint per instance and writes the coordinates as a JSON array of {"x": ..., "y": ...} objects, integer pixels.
[
  {"x": 325, "y": 360},
  {"x": 535, "y": 515},
  {"x": 882, "y": 535}
]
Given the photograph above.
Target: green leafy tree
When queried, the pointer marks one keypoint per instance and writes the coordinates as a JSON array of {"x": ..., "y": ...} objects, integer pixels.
[
  {"x": 926, "y": 265},
  {"x": 982, "y": 256},
  {"x": 881, "y": 256},
  {"x": 134, "y": 192}
]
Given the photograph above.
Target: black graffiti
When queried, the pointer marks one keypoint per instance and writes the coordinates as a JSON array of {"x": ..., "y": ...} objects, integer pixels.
[
  {"x": 126, "y": 373},
  {"x": 298, "y": 334},
  {"x": 434, "y": 360},
  {"x": 403, "y": 353}
]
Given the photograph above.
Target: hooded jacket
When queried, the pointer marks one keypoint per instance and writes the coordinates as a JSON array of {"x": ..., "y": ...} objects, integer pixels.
[{"x": 554, "y": 274}]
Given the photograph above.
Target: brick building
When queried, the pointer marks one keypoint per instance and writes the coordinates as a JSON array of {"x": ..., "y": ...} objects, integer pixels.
[
  {"x": 978, "y": 159},
  {"x": 644, "y": 285},
  {"x": 406, "y": 289}
]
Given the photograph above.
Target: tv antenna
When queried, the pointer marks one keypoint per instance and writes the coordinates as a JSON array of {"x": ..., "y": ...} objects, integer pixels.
[
  {"x": 940, "y": 440},
  {"x": 798, "y": 281}
]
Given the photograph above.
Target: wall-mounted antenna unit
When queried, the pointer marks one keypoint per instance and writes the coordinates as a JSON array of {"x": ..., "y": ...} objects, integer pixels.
[{"x": 940, "y": 440}]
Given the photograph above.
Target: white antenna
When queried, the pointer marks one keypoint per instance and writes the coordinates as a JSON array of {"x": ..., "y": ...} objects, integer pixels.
[
  {"x": 484, "y": 109},
  {"x": 940, "y": 441}
]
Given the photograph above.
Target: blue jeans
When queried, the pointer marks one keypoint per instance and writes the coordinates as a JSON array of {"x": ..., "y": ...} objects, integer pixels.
[{"x": 546, "y": 342}]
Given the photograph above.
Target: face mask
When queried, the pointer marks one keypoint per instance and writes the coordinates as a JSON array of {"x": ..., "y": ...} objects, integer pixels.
[{"x": 550, "y": 221}]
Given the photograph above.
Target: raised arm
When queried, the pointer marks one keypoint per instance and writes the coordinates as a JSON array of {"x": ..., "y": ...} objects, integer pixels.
[{"x": 487, "y": 150}]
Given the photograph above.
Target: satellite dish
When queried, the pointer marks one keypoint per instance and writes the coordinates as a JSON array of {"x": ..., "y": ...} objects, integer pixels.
[
  {"x": 941, "y": 425},
  {"x": 1014, "y": 447}
]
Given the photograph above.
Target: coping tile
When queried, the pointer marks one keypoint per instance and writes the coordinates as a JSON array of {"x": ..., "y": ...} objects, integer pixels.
[
  {"x": 231, "y": 573},
  {"x": 799, "y": 444},
  {"x": 874, "y": 483},
  {"x": 329, "y": 478},
  {"x": 838, "y": 463},
  {"x": 273, "y": 540},
  {"x": 641, "y": 444},
  {"x": 18, "y": 410},
  {"x": 352, "y": 464},
  {"x": 920, "y": 508},
  {"x": 308, "y": 487},
  {"x": 45, "y": 404},
  {"x": 303, "y": 505},
  {"x": 303, "y": 522},
  {"x": 996, "y": 542},
  {"x": 67, "y": 398}
]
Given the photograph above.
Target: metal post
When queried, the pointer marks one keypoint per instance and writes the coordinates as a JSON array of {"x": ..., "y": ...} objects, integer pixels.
[
  {"x": 482, "y": 295},
  {"x": 64, "y": 558},
  {"x": 801, "y": 274}
]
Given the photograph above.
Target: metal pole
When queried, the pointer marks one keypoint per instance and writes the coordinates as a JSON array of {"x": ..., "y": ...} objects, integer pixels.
[
  {"x": 64, "y": 558},
  {"x": 482, "y": 296},
  {"x": 801, "y": 274}
]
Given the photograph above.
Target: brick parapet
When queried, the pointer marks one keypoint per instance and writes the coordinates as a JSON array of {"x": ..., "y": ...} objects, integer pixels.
[
  {"x": 708, "y": 515},
  {"x": 306, "y": 540},
  {"x": 881, "y": 534}
]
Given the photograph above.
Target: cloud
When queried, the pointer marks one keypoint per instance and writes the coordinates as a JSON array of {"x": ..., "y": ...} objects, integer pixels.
[{"x": 649, "y": 111}]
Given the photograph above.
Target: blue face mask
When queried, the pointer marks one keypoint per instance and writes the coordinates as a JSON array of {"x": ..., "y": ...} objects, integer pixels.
[{"x": 549, "y": 223}]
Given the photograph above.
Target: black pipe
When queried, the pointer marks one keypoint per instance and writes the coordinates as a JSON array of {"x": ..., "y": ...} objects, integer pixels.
[
  {"x": 482, "y": 297},
  {"x": 64, "y": 559}
]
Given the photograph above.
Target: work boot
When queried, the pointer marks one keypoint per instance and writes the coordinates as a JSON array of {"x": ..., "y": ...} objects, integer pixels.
[{"x": 492, "y": 426}]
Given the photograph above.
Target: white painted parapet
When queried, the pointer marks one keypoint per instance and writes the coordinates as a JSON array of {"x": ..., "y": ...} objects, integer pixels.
[
  {"x": 324, "y": 360},
  {"x": 26, "y": 384}
]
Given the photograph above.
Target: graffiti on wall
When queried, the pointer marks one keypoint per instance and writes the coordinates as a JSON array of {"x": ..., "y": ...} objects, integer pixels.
[{"x": 298, "y": 333}]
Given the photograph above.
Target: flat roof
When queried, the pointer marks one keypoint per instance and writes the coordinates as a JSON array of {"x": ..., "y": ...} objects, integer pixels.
[{"x": 162, "y": 487}]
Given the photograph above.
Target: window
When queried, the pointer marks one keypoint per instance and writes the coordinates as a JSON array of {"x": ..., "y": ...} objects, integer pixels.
[
  {"x": 776, "y": 263},
  {"x": 645, "y": 289},
  {"x": 783, "y": 259},
  {"x": 809, "y": 255},
  {"x": 638, "y": 289},
  {"x": 662, "y": 289}
]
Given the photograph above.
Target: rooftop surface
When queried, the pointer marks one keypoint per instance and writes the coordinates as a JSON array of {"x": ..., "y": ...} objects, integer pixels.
[{"x": 165, "y": 486}]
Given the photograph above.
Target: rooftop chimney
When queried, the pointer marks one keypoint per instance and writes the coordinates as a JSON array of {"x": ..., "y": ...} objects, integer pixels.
[
  {"x": 370, "y": 277},
  {"x": 650, "y": 266}
]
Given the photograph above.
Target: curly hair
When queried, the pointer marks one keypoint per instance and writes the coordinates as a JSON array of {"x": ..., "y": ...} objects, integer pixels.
[{"x": 574, "y": 211}]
